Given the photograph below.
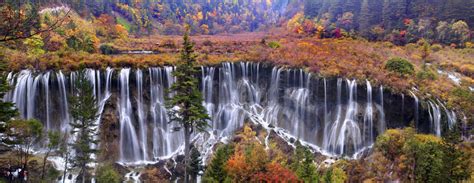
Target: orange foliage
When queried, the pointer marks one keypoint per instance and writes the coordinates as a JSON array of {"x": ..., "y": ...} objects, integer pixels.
[{"x": 275, "y": 173}]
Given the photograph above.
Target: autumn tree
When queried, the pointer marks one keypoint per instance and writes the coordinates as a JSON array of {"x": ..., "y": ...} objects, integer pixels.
[
  {"x": 185, "y": 107},
  {"x": 21, "y": 20},
  {"x": 25, "y": 134},
  {"x": 83, "y": 108}
]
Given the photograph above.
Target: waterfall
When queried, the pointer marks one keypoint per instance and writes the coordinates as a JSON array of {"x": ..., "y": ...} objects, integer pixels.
[
  {"x": 416, "y": 107},
  {"x": 48, "y": 101},
  {"x": 325, "y": 113},
  {"x": 368, "y": 116},
  {"x": 63, "y": 106},
  {"x": 130, "y": 150},
  {"x": 141, "y": 113},
  {"x": 435, "y": 118}
]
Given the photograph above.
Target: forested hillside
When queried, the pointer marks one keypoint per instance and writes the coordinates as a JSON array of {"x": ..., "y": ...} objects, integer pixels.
[{"x": 373, "y": 19}]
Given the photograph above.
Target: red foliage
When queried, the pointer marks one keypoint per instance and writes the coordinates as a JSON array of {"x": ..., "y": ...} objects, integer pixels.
[{"x": 275, "y": 173}]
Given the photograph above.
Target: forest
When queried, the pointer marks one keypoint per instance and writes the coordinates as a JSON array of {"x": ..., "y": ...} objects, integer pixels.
[{"x": 324, "y": 91}]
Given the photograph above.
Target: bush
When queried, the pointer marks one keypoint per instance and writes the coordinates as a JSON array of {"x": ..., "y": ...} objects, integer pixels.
[
  {"x": 274, "y": 45},
  {"x": 426, "y": 74},
  {"x": 207, "y": 43},
  {"x": 168, "y": 43},
  {"x": 400, "y": 66},
  {"x": 436, "y": 47},
  {"x": 108, "y": 49},
  {"x": 107, "y": 174}
]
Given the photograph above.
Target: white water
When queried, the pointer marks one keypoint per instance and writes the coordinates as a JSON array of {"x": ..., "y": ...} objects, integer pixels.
[{"x": 332, "y": 119}]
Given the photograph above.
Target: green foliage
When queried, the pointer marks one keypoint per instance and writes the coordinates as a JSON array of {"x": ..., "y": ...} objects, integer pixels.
[
  {"x": 195, "y": 164},
  {"x": 83, "y": 109},
  {"x": 124, "y": 23},
  {"x": 426, "y": 74},
  {"x": 185, "y": 107},
  {"x": 400, "y": 66},
  {"x": 274, "y": 44},
  {"x": 108, "y": 49},
  {"x": 107, "y": 174},
  {"x": 215, "y": 171},
  {"x": 34, "y": 45},
  {"x": 303, "y": 164},
  {"x": 7, "y": 109},
  {"x": 422, "y": 158}
]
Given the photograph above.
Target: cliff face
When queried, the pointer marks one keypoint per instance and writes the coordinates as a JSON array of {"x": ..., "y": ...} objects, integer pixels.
[{"x": 333, "y": 115}]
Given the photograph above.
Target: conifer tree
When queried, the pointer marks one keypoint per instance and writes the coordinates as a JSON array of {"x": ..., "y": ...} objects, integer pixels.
[
  {"x": 303, "y": 164},
  {"x": 83, "y": 110},
  {"x": 185, "y": 107},
  {"x": 7, "y": 109},
  {"x": 215, "y": 172}
]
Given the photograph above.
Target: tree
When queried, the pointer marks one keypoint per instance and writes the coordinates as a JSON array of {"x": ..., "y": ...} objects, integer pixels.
[
  {"x": 303, "y": 164},
  {"x": 107, "y": 174},
  {"x": 21, "y": 20},
  {"x": 24, "y": 133},
  {"x": 53, "y": 142},
  {"x": 215, "y": 172},
  {"x": 195, "y": 164},
  {"x": 83, "y": 110},
  {"x": 185, "y": 107},
  {"x": 7, "y": 109}
]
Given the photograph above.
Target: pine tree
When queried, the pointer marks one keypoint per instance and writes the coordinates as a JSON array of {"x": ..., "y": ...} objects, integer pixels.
[
  {"x": 303, "y": 164},
  {"x": 7, "y": 109},
  {"x": 83, "y": 110},
  {"x": 185, "y": 107},
  {"x": 195, "y": 164},
  {"x": 215, "y": 172}
]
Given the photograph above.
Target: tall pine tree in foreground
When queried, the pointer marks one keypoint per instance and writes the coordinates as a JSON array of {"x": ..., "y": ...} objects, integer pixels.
[
  {"x": 83, "y": 108},
  {"x": 185, "y": 107}
]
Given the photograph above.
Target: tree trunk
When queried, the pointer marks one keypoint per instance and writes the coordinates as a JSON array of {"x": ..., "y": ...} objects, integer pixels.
[
  {"x": 83, "y": 174},
  {"x": 186, "y": 152},
  {"x": 65, "y": 167},
  {"x": 44, "y": 163}
]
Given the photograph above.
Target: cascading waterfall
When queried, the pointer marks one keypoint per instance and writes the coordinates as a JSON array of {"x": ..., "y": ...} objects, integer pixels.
[
  {"x": 368, "y": 116},
  {"x": 332, "y": 114},
  {"x": 435, "y": 118},
  {"x": 63, "y": 102},
  {"x": 130, "y": 149},
  {"x": 141, "y": 113}
]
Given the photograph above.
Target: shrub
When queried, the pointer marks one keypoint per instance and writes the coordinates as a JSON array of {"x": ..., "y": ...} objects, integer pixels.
[
  {"x": 400, "y": 66},
  {"x": 436, "y": 47},
  {"x": 426, "y": 74},
  {"x": 207, "y": 43},
  {"x": 168, "y": 43},
  {"x": 108, "y": 49},
  {"x": 274, "y": 45},
  {"x": 107, "y": 174}
]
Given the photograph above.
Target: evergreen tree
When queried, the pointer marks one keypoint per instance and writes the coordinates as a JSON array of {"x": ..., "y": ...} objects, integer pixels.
[
  {"x": 7, "y": 109},
  {"x": 215, "y": 172},
  {"x": 195, "y": 164},
  {"x": 83, "y": 110},
  {"x": 303, "y": 164},
  {"x": 185, "y": 107}
]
